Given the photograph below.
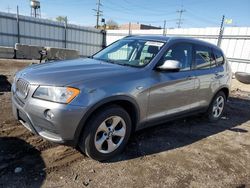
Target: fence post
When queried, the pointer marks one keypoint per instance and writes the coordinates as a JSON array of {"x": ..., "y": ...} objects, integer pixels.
[
  {"x": 164, "y": 28},
  {"x": 221, "y": 31},
  {"x": 18, "y": 25},
  {"x": 104, "y": 38},
  {"x": 65, "y": 31},
  {"x": 129, "y": 28}
]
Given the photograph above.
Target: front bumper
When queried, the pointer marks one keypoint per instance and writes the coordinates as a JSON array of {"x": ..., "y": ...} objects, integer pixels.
[{"x": 61, "y": 128}]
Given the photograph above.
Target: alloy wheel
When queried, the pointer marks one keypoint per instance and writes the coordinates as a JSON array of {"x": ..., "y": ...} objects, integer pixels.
[
  {"x": 218, "y": 106},
  {"x": 110, "y": 134}
]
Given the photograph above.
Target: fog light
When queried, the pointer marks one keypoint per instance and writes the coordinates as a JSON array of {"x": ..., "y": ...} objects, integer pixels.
[{"x": 48, "y": 114}]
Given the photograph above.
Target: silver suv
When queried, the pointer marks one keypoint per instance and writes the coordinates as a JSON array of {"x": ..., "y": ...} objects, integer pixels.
[{"x": 95, "y": 104}]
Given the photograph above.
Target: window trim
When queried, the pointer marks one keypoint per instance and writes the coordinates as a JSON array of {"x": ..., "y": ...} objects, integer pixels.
[
  {"x": 178, "y": 43},
  {"x": 194, "y": 55},
  {"x": 220, "y": 51}
]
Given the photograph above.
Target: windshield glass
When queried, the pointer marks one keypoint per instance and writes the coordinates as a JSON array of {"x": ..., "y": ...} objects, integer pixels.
[{"x": 130, "y": 52}]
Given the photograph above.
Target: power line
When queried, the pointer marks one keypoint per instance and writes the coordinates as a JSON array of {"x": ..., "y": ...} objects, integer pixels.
[
  {"x": 98, "y": 12},
  {"x": 179, "y": 20},
  {"x": 8, "y": 9},
  {"x": 200, "y": 18}
]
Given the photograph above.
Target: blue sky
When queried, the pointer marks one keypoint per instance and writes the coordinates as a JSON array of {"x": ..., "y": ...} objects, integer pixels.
[{"x": 198, "y": 13}]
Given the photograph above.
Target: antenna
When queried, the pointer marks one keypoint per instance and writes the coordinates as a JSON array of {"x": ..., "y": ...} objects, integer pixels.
[
  {"x": 98, "y": 12},
  {"x": 35, "y": 8},
  {"x": 179, "y": 20}
]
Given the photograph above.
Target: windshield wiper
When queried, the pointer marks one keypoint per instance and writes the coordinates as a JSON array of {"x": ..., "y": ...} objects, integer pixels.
[
  {"x": 128, "y": 65},
  {"x": 116, "y": 62},
  {"x": 106, "y": 60}
]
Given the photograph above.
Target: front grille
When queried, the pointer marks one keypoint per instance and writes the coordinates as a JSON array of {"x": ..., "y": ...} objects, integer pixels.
[{"x": 22, "y": 88}]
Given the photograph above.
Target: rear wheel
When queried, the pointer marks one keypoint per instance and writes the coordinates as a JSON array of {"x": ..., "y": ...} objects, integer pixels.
[
  {"x": 216, "y": 107},
  {"x": 106, "y": 133}
]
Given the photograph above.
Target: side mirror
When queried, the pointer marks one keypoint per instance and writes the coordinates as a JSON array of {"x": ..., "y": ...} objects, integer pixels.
[{"x": 170, "y": 65}]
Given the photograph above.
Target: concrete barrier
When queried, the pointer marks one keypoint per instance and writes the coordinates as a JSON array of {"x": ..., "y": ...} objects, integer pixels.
[
  {"x": 24, "y": 51},
  {"x": 6, "y": 52},
  {"x": 61, "y": 53}
]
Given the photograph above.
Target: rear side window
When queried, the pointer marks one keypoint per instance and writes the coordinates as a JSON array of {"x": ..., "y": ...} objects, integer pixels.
[
  {"x": 203, "y": 57},
  {"x": 219, "y": 59}
]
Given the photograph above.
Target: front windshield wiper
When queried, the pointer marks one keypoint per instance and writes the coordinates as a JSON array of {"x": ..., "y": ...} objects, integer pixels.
[
  {"x": 128, "y": 65},
  {"x": 106, "y": 60},
  {"x": 115, "y": 62}
]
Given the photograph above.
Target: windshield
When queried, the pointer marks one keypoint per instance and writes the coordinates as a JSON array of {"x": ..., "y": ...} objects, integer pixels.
[{"x": 130, "y": 52}]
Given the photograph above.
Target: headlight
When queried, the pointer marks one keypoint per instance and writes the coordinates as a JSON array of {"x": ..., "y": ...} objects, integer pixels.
[{"x": 56, "y": 94}]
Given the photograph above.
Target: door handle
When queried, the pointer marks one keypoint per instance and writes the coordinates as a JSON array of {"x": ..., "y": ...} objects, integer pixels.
[
  {"x": 217, "y": 75},
  {"x": 191, "y": 77}
]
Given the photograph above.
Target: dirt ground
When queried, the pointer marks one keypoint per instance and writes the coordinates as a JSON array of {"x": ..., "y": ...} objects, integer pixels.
[{"x": 185, "y": 153}]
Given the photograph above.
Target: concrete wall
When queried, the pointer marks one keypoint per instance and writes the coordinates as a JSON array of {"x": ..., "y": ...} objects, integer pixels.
[
  {"x": 235, "y": 42},
  {"x": 42, "y": 32},
  {"x": 6, "y": 52},
  {"x": 61, "y": 53}
]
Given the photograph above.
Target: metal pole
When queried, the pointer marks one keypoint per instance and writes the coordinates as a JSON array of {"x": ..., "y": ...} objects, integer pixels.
[
  {"x": 164, "y": 28},
  {"x": 65, "y": 31},
  {"x": 104, "y": 37},
  {"x": 18, "y": 25},
  {"x": 98, "y": 14},
  {"x": 221, "y": 31},
  {"x": 129, "y": 28}
]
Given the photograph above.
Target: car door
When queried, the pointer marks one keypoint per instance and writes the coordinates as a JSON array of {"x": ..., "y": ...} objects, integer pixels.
[
  {"x": 173, "y": 92},
  {"x": 206, "y": 72}
]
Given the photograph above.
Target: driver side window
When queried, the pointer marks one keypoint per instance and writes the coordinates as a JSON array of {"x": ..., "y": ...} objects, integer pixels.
[{"x": 181, "y": 52}]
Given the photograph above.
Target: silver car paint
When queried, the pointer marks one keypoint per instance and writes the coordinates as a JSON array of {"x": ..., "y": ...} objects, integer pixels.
[{"x": 155, "y": 93}]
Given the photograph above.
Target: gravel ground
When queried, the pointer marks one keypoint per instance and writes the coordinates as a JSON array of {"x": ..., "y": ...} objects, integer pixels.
[{"x": 185, "y": 153}]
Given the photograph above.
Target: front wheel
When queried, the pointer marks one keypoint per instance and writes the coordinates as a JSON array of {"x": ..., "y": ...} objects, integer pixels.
[
  {"x": 106, "y": 133},
  {"x": 216, "y": 107}
]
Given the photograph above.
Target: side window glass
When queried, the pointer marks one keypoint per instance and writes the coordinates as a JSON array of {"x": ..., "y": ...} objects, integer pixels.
[
  {"x": 180, "y": 52},
  {"x": 203, "y": 57},
  {"x": 219, "y": 59},
  {"x": 147, "y": 54}
]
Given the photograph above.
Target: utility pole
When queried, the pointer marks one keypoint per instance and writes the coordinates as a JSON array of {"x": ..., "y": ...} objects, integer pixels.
[
  {"x": 98, "y": 12},
  {"x": 8, "y": 9},
  {"x": 179, "y": 20},
  {"x": 221, "y": 31},
  {"x": 164, "y": 28}
]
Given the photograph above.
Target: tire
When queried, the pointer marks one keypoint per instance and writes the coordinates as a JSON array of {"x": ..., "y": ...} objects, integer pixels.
[
  {"x": 243, "y": 77},
  {"x": 103, "y": 137},
  {"x": 216, "y": 107}
]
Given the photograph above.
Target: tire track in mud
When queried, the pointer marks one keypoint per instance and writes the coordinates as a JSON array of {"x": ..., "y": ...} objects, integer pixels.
[{"x": 54, "y": 156}]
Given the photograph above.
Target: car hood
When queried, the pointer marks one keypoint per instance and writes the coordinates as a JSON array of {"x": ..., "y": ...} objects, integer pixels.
[{"x": 66, "y": 72}]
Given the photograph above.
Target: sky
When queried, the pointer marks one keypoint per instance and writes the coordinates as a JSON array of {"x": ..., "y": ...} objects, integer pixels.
[{"x": 197, "y": 13}]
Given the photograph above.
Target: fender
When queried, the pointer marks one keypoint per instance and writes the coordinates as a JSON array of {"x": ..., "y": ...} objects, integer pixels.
[
  {"x": 218, "y": 89},
  {"x": 94, "y": 107}
]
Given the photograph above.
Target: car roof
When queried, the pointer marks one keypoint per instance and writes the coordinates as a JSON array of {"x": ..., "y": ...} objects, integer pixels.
[{"x": 173, "y": 38}]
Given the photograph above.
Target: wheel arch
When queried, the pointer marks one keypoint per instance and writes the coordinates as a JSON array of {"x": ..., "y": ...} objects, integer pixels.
[
  {"x": 126, "y": 102},
  {"x": 224, "y": 89}
]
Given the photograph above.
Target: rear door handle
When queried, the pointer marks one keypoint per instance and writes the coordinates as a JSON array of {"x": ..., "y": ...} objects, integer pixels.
[
  {"x": 191, "y": 77},
  {"x": 217, "y": 75}
]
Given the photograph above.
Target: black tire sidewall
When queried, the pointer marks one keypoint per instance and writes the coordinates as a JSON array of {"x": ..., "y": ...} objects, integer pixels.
[
  {"x": 211, "y": 118},
  {"x": 89, "y": 134}
]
